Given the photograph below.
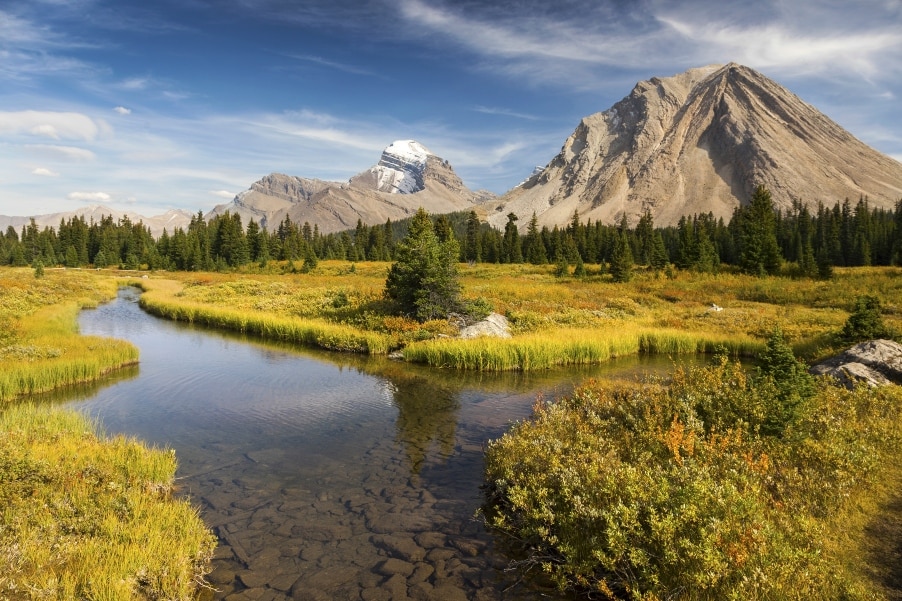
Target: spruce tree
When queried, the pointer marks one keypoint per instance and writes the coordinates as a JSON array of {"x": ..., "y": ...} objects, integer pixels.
[
  {"x": 759, "y": 253},
  {"x": 423, "y": 281},
  {"x": 622, "y": 259}
]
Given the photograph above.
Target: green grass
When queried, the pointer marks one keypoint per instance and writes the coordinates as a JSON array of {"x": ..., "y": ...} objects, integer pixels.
[
  {"x": 40, "y": 348},
  {"x": 85, "y": 517},
  {"x": 554, "y": 321}
]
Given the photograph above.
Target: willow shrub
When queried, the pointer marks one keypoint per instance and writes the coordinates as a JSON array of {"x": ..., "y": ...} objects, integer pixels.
[
  {"x": 670, "y": 491},
  {"x": 84, "y": 517}
]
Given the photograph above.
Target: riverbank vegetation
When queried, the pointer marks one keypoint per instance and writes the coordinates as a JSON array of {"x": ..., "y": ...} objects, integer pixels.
[
  {"x": 89, "y": 517},
  {"x": 554, "y": 320},
  {"x": 83, "y": 516},
  {"x": 715, "y": 485},
  {"x": 40, "y": 348}
]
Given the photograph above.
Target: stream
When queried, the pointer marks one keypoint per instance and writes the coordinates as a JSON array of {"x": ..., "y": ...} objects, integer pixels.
[{"x": 325, "y": 476}]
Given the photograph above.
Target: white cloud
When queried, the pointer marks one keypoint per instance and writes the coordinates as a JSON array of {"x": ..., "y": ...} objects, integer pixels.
[
  {"x": 55, "y": 125},
  {"x": 122, "y": 110},
  {"x": 223, "y": 194},
  {"x": 44, "y": 172},
  {"x": 791, "y": 47},
  {"x": 65, "y": 153},
  {"x": 89, "y": 196}
]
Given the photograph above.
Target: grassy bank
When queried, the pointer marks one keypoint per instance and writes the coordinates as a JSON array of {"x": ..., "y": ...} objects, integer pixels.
[
  {"x": 81, "y": 516},
  {"x": 40, "y": 348},
  {"x": 555, "y": 321},
  {"x": 167, "y": 299},
  {"x": 91, "y": 518}
]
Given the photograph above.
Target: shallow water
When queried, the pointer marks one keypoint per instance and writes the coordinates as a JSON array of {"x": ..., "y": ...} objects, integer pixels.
[{"x": 325, "y": 476}]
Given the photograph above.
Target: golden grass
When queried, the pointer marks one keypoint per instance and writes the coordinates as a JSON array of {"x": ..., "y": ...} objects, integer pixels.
[
  {"x": 40, "y": 348},
  {"x": 555, "y": 321},
  {"x": 162, "y": 298},
  {"x": 91, "y": 518}
]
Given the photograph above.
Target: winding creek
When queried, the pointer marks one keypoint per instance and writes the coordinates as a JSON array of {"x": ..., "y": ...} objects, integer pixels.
[{"x": 325, "y": 476}]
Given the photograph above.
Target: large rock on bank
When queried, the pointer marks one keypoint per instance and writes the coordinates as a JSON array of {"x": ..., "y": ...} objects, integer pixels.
[{"x": 876, "y": 362}]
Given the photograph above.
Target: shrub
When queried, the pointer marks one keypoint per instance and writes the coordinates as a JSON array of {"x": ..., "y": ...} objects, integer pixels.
[
  {"x": 865, "y": 322},
  {"x": 627, "y": 491}
]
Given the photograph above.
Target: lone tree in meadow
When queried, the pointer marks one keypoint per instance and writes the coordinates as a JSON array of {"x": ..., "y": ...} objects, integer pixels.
[{"x": 423, "y": 281}]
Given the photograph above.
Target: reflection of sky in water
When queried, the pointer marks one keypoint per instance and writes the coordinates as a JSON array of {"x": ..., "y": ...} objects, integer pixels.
[{"x": 196, "y": 387}]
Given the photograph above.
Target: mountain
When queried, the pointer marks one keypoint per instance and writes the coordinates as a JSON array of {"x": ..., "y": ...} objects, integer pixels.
[
  {"x": 407, "y": 176},
  {"x": 700, "y": 142},
  {"x": 169, "y": 220}
]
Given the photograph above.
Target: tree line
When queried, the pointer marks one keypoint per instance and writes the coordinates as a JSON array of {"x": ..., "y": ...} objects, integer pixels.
[{"x": 758, "y": 239}]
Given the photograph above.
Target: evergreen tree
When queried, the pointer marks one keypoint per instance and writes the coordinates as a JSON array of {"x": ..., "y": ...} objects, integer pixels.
[
  {"x": 791, "y": 380},
  {"x": 473, "y": 241},
  {"x": 423, "y": 280},
  {"x": 511, "y": 251},
  {"x": 658, "y": 259},
  {"x": 533, "y": 246},
  {"x": 622, "y": 259},
  {"x": 759, "y": 253}
]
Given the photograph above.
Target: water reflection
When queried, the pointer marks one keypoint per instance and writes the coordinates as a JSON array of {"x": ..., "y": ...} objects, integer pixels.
[
  {"x": 326, "y": 476},
  {"x": 427, "y": 414}
]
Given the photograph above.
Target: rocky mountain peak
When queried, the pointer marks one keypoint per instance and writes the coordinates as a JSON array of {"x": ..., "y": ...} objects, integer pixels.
[
  {"x": 700, "y": 142},
  {"x": 400, "y": 170}
]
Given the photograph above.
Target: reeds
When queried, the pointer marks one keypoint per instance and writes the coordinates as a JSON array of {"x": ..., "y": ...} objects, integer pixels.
[
  {"x": 565, "y": 347},
  {"x": 310, "y": 332},
  {"x": 91, "y": 518}
]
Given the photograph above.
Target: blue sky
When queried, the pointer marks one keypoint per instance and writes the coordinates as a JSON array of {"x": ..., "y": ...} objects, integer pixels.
[{"x": 159, "y": 104}]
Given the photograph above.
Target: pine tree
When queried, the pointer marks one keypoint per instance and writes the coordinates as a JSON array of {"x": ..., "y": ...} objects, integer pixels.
[
  {"x": 759, "y": 253},
  {"x": 533, "y": 246},
  {"x": 423, "y": 281},
  {"x": 622, "y": 259},
  {"x": 510, "y": 246},
  {"x": 473, "y": 246}
]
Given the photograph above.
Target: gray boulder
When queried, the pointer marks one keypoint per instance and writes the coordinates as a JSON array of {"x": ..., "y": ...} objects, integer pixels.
[
  {"x": 495, "y": 325},
  {"x": 875, "y": 362}
]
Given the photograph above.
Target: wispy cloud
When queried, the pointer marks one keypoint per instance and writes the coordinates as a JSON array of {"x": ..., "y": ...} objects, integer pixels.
[
  {"x": 337, "y": 66},
  {"x": 122, "y": 110},
  {"x": 223, "y": 194},
  {"x": 55, "y": 125},
  {"x": 89, "y": 196},
  {"x": 44, "y": 172},
  {"x": 487, "y": 110},
  {"x": 62, "y": 153}
]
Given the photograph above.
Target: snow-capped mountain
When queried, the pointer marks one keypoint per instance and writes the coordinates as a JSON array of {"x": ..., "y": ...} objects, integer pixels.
[
  {"x": 400, "y": 170},
  {"x": 408, "y": 176}
]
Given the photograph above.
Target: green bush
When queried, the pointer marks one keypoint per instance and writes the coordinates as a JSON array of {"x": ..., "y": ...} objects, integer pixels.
[
  {"x": 865, "y": 322},
  {"x": 626, "y": 491}
]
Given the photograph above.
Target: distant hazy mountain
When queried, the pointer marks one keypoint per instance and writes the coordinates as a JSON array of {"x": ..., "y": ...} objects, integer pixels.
[
  {"x": 169, "y": 220},
  {"x": 700, "y": 142},
  {"x": 407, "y": 176}
]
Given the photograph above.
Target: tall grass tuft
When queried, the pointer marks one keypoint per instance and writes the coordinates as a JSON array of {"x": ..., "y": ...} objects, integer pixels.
[
  {"x": 91, "y": 518},
  {"x": 563, "y": 347}
]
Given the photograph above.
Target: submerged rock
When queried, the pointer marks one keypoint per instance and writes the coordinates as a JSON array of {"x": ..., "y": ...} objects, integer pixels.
[
  {"x": 875, "y": 362},
  {"x": 494, "y": 325}
]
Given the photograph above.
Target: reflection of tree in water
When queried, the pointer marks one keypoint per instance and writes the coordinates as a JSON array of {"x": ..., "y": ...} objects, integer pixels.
[{"x": 427, "y": 414}]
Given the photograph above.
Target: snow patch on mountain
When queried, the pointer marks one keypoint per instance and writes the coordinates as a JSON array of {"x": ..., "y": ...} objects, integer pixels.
[{"x": 401, "y": 168}]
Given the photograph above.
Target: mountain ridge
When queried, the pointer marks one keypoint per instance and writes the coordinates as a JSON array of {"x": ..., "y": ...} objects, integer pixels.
[{"x": 700, "y": 142}]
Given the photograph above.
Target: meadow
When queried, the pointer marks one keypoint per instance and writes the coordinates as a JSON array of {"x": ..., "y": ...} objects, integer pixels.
[
  {"x": 555, "y": 321},
  {"x": 40, "y": 348}
]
